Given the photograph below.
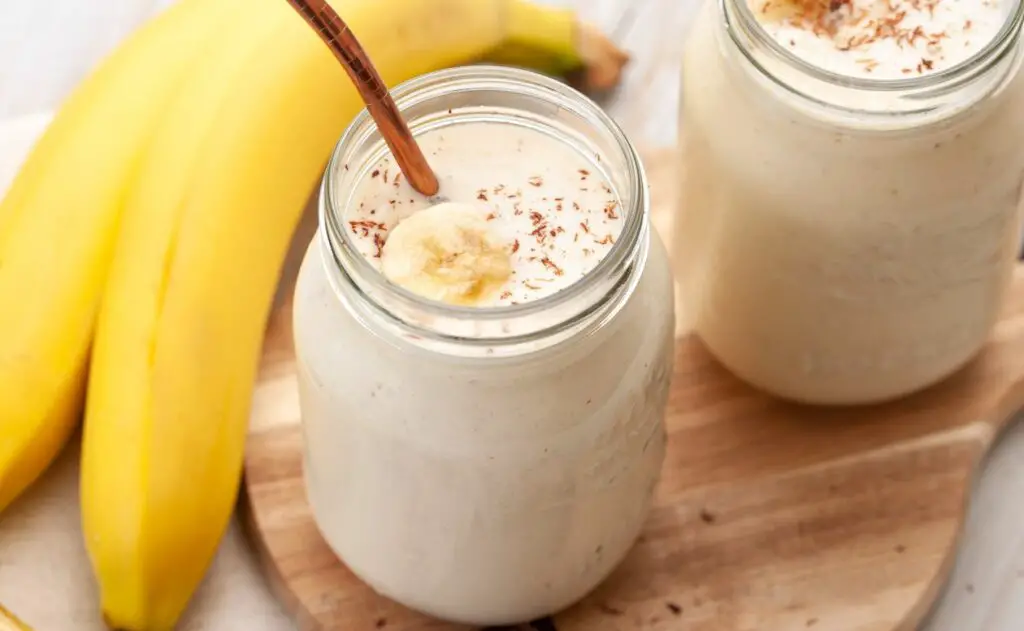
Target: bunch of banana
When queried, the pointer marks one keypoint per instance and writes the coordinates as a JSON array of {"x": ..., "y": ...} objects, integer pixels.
[
  {"x": 8, "y": 622},
  {"x": 141, "y": 243},
  {"x": 58, "y": 225}
]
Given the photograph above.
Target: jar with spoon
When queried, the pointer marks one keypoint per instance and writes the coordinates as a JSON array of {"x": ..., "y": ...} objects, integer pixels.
[{"x": 483, "y": 381}]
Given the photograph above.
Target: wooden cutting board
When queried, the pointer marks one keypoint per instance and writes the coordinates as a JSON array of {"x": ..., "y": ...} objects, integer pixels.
[{"x": 770, "y": 516}]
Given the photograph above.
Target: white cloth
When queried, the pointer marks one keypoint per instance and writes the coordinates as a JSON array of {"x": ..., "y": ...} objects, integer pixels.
[{"x": 45, "y": 577}]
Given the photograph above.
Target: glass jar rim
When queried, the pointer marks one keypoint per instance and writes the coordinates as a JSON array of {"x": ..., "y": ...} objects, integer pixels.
[
  {"x": 465, "y": 79},
  {"x": 970, "y": 67}
]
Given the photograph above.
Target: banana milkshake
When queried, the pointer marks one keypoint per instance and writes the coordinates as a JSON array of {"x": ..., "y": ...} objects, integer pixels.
[
  {"x": 522, "y": 228},
  {"x": 483, "y": 377},
  {"x": 852, "y": 202}
]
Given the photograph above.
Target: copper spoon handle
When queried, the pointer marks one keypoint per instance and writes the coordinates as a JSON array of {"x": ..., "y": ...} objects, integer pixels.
[{"x": 339, "y": 38}]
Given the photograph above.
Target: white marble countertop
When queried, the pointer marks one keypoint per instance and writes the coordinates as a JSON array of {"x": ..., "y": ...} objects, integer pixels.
[{"x": 45, "y": 48}]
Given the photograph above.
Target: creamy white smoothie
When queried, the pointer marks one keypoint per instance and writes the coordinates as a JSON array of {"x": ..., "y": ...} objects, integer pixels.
[
  {"x": 479, "y": 478},
  {"x": 848, "y": 238},
  {"x": 556, "y": 216},
  {"x": 883, "y": 39}
]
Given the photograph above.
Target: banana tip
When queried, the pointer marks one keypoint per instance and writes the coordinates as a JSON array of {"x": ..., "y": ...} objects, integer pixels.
[
  {"x": 108, "y": 621},
  {"x": 10, "y": 622}
]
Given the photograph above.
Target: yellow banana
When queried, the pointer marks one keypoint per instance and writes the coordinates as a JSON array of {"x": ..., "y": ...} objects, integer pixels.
[
  {"x": 57, "y": 231},
  {"x": 9, "y": 622},
  {"x": 149, "y": 539},
  {"x": 207, "y": 226}
]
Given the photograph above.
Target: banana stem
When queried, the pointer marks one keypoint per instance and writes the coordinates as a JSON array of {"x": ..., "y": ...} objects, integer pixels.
[{"x": 556, "y": 40}]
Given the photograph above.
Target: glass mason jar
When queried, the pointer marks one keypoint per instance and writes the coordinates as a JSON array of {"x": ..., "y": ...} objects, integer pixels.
[
  {"x": 845, "y": 239},
  {"x": 484, "y": 465}
]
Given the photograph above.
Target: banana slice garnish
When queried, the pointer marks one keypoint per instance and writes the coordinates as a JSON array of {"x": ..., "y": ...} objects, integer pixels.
[{"x": 447, "y": 253}]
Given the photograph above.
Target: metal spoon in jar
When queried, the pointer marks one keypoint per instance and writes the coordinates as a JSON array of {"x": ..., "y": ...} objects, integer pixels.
[{"x": 346, "y": 48}]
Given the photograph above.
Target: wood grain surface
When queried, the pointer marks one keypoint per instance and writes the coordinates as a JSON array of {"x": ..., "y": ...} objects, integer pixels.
[{"x": 769, "y": 517}]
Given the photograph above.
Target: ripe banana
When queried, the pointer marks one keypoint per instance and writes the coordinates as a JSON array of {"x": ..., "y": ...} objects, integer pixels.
[
  {"x": 9, "y": 622},
  {"x": 447, "y": 253},
  {"x": 149, "y": 532},
  {"x": 207, "y": 226},
  {"x": 57, "y": 229}
]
